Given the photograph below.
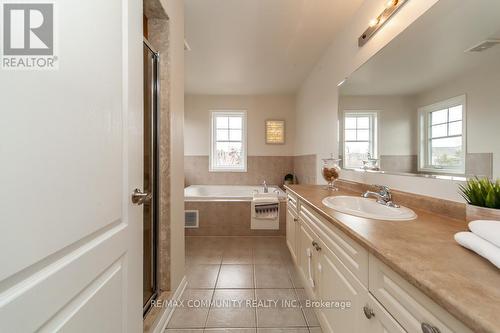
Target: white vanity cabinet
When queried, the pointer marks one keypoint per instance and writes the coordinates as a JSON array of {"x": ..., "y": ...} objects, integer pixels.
[
  {"x": 336, "y": 283},
  {"x": 292, "y": 226},
  {"x": 360, "y": 294},
  {"x": 308, "y": 257}
]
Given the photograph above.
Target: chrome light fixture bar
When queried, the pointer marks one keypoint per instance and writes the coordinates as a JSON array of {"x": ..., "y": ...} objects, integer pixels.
[{"x": 391, "y": 7}]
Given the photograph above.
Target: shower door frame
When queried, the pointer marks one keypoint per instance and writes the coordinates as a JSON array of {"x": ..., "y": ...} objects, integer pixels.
[{"x": 155, "y": 130}]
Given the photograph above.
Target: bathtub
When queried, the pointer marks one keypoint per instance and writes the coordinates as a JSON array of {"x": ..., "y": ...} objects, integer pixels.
[
  {"x": 227, "y": 192},
  {"x": 225, "y": 210}
]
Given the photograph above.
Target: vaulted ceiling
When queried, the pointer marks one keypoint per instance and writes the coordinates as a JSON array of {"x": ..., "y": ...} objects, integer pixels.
[{"x": 258, "y": 46}]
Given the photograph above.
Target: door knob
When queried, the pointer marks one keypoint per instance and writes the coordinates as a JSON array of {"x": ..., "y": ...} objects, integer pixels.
[{"x": 139, "y": 197}]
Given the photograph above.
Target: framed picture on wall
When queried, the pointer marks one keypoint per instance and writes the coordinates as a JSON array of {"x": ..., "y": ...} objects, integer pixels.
[{"x": 275, "y": 132}]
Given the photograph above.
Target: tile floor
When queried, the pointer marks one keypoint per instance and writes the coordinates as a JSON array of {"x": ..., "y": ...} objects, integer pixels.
[{"x": 233, "y": 272}]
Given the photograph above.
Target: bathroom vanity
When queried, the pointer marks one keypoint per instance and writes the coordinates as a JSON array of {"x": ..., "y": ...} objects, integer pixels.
[{"x": 399, "y": 276}]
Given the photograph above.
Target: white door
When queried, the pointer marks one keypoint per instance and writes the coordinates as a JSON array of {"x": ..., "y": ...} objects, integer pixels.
[{"x": 70, "y": 155}]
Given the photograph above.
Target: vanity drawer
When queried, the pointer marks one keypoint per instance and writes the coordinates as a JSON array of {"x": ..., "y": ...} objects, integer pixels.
[
  {"x": 350, "y": 253},
  {"x": 409, "y": 306},
  {"x": 292, "y": 203}
]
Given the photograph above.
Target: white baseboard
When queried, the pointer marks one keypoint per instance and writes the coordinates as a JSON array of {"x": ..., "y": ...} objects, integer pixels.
[{"x": 167, "y": 313}]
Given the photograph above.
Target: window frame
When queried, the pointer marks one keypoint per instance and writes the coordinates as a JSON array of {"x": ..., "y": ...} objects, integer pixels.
[
  {"x": 213, "y": 132},
  {"x": 374, "y": 134},
  {"x": 424, "y": 135}
]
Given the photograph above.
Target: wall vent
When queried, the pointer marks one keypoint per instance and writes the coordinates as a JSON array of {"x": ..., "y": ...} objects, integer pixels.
[
  {"x": 484, "y": 45},
  {"x": 191, "y": 219}
]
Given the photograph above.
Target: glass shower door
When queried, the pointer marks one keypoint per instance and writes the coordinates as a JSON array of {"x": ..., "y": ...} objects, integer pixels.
[{"x": 150, "y": 210}]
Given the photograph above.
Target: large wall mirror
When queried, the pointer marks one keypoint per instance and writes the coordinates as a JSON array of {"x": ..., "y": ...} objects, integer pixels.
[{"x": 429, "y": 102}]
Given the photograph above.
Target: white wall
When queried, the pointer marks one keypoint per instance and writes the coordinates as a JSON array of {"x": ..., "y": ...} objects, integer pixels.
[
  {"x": 259, "y": 109},
  {"x": 175, "y": 12},
  {"x": 481, "y": 87},
  {"x": 317, "y": 100},
  {"x": 397, "y": 121}
]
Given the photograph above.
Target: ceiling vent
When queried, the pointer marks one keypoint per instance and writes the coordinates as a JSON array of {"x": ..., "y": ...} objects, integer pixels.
[{"x": 484, "y": 45}]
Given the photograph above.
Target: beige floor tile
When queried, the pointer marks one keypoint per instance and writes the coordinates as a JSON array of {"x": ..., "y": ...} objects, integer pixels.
[
  {"x": 180, "y": 330},
  {"x": 275, "y": 242},
  {"x": 188, "y": 316},
  {"x": 237, "y": 313},
  {"x": 315, "y": 330},
  {"x": 230, "y": 330},
  {"x": 205, "y": 256},
  {"x": 235, "y": 276},
  {"x": 237, "y": 255},
  {"x": 283, "y": 330},
  {"x": 294, "y": 276},
  {"x": 264, "y": 255},
  {"x": 272, "y": 276},
  {"x": 287, "y": 313},
  {"x": 202, "y": 276},
  {"x": 309, "y": 314}
]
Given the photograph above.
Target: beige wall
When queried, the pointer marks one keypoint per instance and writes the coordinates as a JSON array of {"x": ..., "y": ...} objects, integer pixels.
[
  {"x": 317, "y": 99},
  {"x": 259, "y": 108},
  {"x": 481, "y": 87},
  {"x": 175, "y": 12}
]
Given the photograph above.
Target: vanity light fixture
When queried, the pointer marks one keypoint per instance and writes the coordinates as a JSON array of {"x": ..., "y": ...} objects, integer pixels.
[{"x": 376, "y": 23}]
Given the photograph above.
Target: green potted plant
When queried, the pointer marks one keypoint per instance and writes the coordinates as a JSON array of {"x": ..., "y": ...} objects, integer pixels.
[
  {"x": 289, "y": 179},
  {"x": 483, "y": 199}
]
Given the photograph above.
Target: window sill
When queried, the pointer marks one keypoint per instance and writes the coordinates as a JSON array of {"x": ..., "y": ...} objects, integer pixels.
[
  {"x": 227, "y": 170},
  {"x": 443, "y": 171}
]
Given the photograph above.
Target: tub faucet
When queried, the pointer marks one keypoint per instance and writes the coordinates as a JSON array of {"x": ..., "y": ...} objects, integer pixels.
[
  {"x": 266, "y": 189},
  {"x": 383, "y": 196}
]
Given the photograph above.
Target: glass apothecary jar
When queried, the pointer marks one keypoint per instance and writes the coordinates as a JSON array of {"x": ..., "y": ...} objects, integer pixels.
[{"x": 331, "y": 171}]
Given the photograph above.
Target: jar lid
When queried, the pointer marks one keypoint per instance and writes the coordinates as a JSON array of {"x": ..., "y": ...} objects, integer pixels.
[{"x": 331, "y": 158}]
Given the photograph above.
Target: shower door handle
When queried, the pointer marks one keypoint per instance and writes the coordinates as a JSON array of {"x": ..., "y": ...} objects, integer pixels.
[{"x": 139, "y": 197}]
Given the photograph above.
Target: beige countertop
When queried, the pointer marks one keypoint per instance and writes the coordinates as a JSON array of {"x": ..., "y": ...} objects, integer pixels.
[{"x": 425, "y": 253}]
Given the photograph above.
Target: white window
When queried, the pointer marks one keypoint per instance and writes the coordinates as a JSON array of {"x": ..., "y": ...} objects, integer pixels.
[
  {"x": 228, "y": 141},
  {"x": 360, "y": 137},
  {"x": 442, "y": 137}
]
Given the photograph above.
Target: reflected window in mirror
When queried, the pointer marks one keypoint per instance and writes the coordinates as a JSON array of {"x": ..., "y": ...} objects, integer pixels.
[
  {"x": 442, "y": 133},
  {"x": 360, "y": 138}
]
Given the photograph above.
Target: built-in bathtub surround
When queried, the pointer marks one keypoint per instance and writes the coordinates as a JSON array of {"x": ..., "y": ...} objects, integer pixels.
[
  {"x": 271, "y": 169},
  {"x": 229, "y": 218},
  {"x": 226, "y": 210},
  {"x": 447, "y": 208},
  {"x": 304, "y": 168}
]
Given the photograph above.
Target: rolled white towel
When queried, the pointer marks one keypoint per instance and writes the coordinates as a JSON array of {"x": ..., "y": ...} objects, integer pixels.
[
  {"x": 482, "y": 247},
  {"x": 487, "y": 229}
]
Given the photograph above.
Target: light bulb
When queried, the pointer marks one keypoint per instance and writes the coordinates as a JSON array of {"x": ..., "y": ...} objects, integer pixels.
[
  {"x": 391, "y": 3},
  {"x": 374, "y": 22}
]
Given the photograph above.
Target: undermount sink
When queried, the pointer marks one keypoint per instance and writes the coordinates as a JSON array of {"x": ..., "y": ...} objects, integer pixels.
[{"x": 368, "y": 208}]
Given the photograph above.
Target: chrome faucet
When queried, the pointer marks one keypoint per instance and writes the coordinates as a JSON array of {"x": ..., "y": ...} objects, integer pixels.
[
  {"x": 383, "y": 196},
  {"x": 266, "y": 189}
]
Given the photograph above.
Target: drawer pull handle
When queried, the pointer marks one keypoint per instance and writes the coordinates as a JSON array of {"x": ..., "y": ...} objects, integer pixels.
[
  {"x": 368, "y": 312},
  {"x": 427, "y": 328},
  {"x": 295, "y": 219},
  {"x": 309, "y": 266},
  {"x": 316, "y": 246}
]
